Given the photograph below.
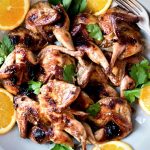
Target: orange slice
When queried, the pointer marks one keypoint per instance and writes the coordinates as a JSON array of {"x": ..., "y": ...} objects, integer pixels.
[
  {"x": 98, "y": 6},
  {"x": 12, "y": 13},
  {"x": 113, "y": 145},
  {"x": 144, "y": 100},
  {"x": 7, "y": 112}
]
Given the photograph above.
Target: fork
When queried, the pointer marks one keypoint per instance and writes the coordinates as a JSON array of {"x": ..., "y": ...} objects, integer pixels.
[{"x": 135, "y": 7}]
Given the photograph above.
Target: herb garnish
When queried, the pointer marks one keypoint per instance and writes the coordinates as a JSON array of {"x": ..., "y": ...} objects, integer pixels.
[
  {"x": 94, "y": 109},
  {"x": 94, "y": 31},
  {"x": 55, "y": 2},
  {"x": 61, "y": 147},
  {"x": 35, "y": 86},
  {"x": 6, "y": 47},
  {"x": 73, "y": 6},
  {"x": 69, "y": 73},
  {"x": 132, "y": 95},
  {"x": 141, "y": 74}
]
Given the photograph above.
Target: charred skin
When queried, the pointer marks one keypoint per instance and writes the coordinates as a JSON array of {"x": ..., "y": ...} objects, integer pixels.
[
  {"x": 53, "y": 61},
  {"x": 58, "y": 95},
  {"x": 27, "y": 111},
  {"x": 33, "y": 41},
  {"x": 30, "y": 123},
  {"x": 43, "y": 18},
  {"x": 96, "y": 90},
  {"x": 44, "y": 134},
  {"x": 82, "y": 102},
  {"x": 113, "y": 120},
  {"x": 127, "y": 37},
  {"x": 14, "y": 71},
  {"x": 117, "y": 13}
]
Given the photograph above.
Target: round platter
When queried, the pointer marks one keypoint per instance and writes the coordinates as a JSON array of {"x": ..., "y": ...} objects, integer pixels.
[{"x": 139, "y": 139}]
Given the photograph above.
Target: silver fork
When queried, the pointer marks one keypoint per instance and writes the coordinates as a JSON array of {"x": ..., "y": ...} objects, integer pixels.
[{"x": 135, "y": 7}]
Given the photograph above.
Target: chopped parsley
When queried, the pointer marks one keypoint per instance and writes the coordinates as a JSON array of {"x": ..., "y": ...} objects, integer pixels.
[
  {"x": 132, "y": 95},
  {"x": 6, "y": 47},
  {"x": 61, "y": 147},
  {"x": 73, "y": 6},
  {"x": 94, "y": 109},
  {"x": 141, "y": 74},
  {"x": 35, "y": 86},
  {"x": 94, "y": 31},
  {"x": 69, "y": 73}
]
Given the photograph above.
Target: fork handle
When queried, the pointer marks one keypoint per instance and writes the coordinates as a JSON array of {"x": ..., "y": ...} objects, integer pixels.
[{"x": 147, "y": 30}]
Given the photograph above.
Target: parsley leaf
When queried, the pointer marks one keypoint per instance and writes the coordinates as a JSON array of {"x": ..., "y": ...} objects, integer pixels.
[
  {"x": 35, "y": 86},
  {"x": 69, "y": 73},
  {"x": 83, "y": 6},
  {"x": 55, "y": 2},
  {"x": 132, "y": 95},
  {"x": 8, "y": 45},
  {"x": 61, "y": 147},
  {"x": 6, "y": 48},
  {"x": 94, "y": 31},
  {"x": 140, "y": 72},
  {"x": 94, "y": 109},
  {"x": 77, "y": 6},
  {"x": 72, "y": 6},
  {"x": 66, "y": 3}
]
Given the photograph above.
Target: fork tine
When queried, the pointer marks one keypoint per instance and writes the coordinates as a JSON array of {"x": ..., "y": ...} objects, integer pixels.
[
  {"x": 137, "y": 4},
  {"x": 120, "y": 4},
  {"x": 130, "y": 6},
  {"x": 129, "y": 2},
  {"x": 127, "y": 6},
  {"x": 134, "y": 5}
]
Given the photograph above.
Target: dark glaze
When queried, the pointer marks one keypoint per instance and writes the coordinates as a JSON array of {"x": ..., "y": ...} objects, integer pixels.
[
  {"x": 33, "y": 17},
  {"x": 15, "y": 103},
  {"x": 83, "y": 16},
  {"x": 66, "y": 121},
  {"x": 34, "y": 70},
  {"x": 114, "y": 101},
  {"x": 60, "y": 22},
  {"x": 52, "y": 102},
  {"x": 15, "y": 39},
  {"x": 24, "y": 90},
  {"x": 39, "y": 135},
  {"x": 122, "y": 30},
  {"x": 14, "y": 80},
  {"x": 112, "y": 130},
  {"x": 94, "y": 90},
  {"x": 28, "y": 39},
  {"x": 80, "y": 35},
  {"x": 93, "y": 126},
  {"x": 58, "y": 72}
]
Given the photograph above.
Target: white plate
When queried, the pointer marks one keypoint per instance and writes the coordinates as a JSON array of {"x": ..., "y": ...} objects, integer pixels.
[{"x": 139, "y": 139}]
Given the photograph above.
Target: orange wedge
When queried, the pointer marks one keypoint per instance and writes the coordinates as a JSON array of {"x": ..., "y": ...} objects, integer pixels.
[
  {"x": 12, "y": 13},
  {"x": 113, "y": 145},
  {"x": 98, "y": 6},
  {"x": 7, "y": 112},
  {"x": 144, "y": 100}
]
